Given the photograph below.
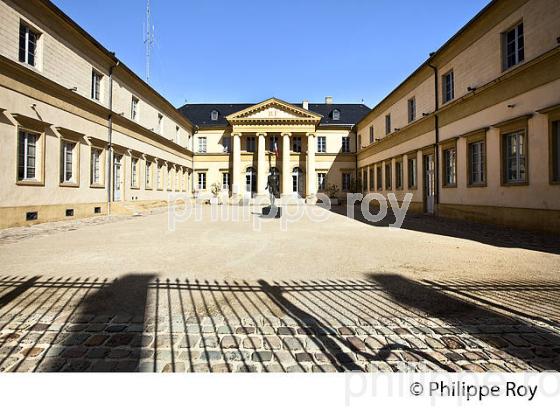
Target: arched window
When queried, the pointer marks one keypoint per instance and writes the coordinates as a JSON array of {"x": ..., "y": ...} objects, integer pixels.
[
  {"x": 214, "y": 115},
  {"x": 335, "y": 114}
]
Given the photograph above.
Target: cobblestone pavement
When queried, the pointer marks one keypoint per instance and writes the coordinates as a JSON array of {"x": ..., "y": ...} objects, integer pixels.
[{"x": 384, "y": 323}]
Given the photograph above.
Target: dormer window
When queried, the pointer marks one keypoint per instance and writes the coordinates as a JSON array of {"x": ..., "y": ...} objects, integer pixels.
[
  {"x": 214, "y": 115},
  {"x": 336, "y": 115}
]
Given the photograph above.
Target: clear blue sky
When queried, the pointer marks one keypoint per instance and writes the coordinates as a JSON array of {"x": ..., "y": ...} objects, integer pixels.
[{"x": 250, "y": 50}]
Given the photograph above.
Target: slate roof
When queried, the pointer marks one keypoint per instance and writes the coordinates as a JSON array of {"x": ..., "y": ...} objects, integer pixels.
[{"x": 199, "y": 114}]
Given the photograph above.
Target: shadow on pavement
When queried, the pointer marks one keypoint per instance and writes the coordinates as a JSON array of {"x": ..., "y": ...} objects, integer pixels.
[
  {"x": 385, "y": 323},
  {"x": 484, "y": 233}
]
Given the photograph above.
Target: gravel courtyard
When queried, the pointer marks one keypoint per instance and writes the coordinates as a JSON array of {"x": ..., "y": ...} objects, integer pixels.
[{"x": 129, "y": 294}]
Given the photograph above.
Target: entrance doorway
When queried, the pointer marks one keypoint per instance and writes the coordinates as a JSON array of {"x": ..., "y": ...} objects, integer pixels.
[
  {"x": 297, "y": 182},
  {"x": 429, "y": 183},
  {"x": 251, "y": 181},
  {"x": 117, "y": 179}
]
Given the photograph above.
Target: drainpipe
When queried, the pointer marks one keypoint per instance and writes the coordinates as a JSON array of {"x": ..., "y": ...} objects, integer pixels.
[
  {"x": 436, "y": 144},
  {"x": 110, "y": 139}
]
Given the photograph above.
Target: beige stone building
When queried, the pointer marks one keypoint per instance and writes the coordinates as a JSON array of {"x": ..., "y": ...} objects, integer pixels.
[
  {"x": 311, "y": 146},
  {"x": 472, "y": 133},
  {"x": 79, "y": 131}
]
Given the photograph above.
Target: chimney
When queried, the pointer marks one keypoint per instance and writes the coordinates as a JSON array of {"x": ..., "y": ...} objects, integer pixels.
[
  {"x": 328, "y": 100},
  {"x": 305, "y": 104}
]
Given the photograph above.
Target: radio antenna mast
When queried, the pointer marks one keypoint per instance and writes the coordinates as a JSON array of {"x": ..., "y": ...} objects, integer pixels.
[{"x": 148, "y": 39}]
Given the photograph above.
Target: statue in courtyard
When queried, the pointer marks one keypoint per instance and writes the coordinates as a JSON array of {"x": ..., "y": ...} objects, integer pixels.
[{"x": 273, "y": 185}]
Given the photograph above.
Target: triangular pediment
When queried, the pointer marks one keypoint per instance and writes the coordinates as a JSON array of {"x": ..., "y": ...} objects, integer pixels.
[{"x": 273, "y": 110}]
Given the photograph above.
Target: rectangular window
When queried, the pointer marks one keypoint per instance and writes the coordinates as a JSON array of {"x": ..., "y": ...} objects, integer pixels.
[
  {"x": 160, "y": 124},
  {"x": 148, "y": 181},
  {"x": 296, "y": 144},
  {"x": 345, "y": 144},
  {"x": 412, "y": 173},
  {"x": 388, "y": 176},
  {"x": 134, "y": 108},
  {"x": 477, "y": 157},
  {"x": 514, "y": 157},
  {"x": 387, "y": 124},
  {"x": 169, "y": 178},
  {"x": 513, "y": 48},
  {"x": 555, "y": 151},
  {"x": 67, "y": 168},
  {"x": 202, "y": 181},
  {"x": 412, "y": 109},
  {"x": 321, "y": 144},
  {"x": 202, "y": 144},
  {"x": 251, "y": 144},
  {"x": 177, "y": 134},
  {"x": 27, "y": 45},
  {"x": 96, "y": 85},
  {"x": 371, "y": 179},
  {"x": 273, "y": 144},
  {"x": 378, "y": 171},
  {"x": 225, "y": 181},
  {"x": 450, "y": 167},
  {"x": 27, "y": 156},
  {"x": 226, "y": 144},
  {"x": 95, "y": 166},
  {"x": 321, "y": 181},
  {"x": 448, "y": 86},
  {"x": 346, "y": 178},
  {"x": 134, "y": 172},
  {"x": 159, "y": 175},
  {"x": 399, "y": 174},
  {"x": 371, "y": 135}
]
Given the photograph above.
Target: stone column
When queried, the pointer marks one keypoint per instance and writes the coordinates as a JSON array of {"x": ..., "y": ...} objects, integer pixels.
[
  {"x": 286, "y": 171},
  {"x": 311, "y": 178},
  {"x": 236, "y": 166},
  {"x": 261, "y": 164}
]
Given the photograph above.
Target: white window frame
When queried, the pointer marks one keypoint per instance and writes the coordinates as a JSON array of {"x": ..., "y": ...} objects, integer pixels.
[
  {"x": 371, "y": 134},
  {"x": 202, "y": 145},
  {"x": 336, "y": 115},
  {"x": 412, "y": 172},
  {"x": 148, "y": 176},
  {"x": 321, "y": 144},
  {"x": 519, "y": 157},
  {"x": 387, "y": 124},
  {"x": 134, "y": 172},
  {"x": 134, "y": 108},
  {"x": 450, "y": 164},
  {"x": 518, "y": 43},
  {"x": 321, "y": 181},
  {"x": 448, "y": 86},
  {"x": 96, "y": 155},
  {"x": 160, "y": 124},
  {"x": 225, "y": 181},
  {"x": 477, "y": 158},
  {"x": 411, "y": 109},
  {"x": 214, "y": 115},
  {"x": 346, "y": 181},
  {"x": 201, "y": 183},
  {"x": 29, "y": 34},
  {"x": 345, "y": 144},
  {"x": 68, "y": 162},
  {"x": 96, "y": 79},
  {"x": 25, "y": 143},
  {"x": 226, "y": 144}
]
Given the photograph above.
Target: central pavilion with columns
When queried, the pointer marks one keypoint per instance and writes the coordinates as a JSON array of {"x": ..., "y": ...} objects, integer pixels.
[{"x": 311, "y": 146}]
